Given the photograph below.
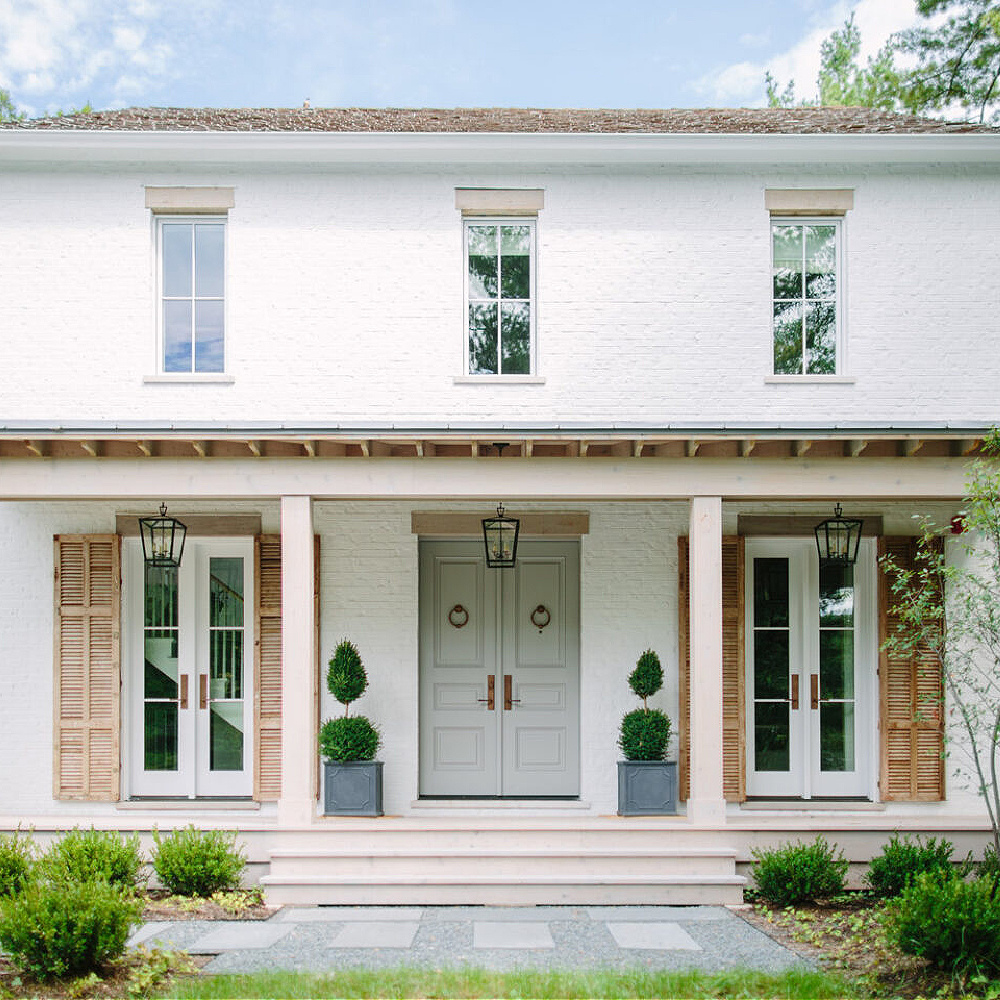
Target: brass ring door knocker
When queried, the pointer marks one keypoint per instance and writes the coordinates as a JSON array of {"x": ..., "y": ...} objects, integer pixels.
[
  {"x": 458, "y": 616},
  {"x": 540, "y": 617}
]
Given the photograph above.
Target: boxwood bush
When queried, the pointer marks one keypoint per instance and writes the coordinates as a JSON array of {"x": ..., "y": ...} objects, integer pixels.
[
  {"x": 55, "y": 929},
  {"x": 902, "y": 858},
  {"x": 94, "y": 855},
  {"x": 16, "y": 861},
  {"x": 799, "y": 873},
  {"x": 952, "y": 923},
  {"x": 192, "y": 862}
]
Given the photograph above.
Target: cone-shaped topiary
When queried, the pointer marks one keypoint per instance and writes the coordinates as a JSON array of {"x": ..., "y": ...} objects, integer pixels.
[
  {"x": 348, "y": 738},
  {"x": 645, "y": 732}
]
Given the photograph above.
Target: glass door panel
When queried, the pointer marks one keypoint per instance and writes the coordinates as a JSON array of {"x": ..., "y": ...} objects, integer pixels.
[{"x": 161, "y": 678}]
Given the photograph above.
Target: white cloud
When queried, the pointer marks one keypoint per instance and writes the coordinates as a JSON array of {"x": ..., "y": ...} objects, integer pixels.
[{"x": 743, "y": 82}]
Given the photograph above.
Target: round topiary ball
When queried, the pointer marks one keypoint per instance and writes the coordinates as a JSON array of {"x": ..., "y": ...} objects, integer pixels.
[
  {"x": 647, "y": 678},
  {"x": 644, "y": 735},
  {"x": 349, "y": 738}
]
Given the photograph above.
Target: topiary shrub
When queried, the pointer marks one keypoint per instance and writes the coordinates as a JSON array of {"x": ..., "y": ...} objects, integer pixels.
[
  {"x": 191, "y": 862},
  {"x": 799, "y": 873},
  {"x": 902, "y": 858},
  {"x": 952, "y": 923},
  {"x": 645, "y": 732},
  {"x": 55, "y": 929},
  {"x": 92, "y": 856},
  {"x": 348, "y": 738},
  {"x": 16, "y": 863}
]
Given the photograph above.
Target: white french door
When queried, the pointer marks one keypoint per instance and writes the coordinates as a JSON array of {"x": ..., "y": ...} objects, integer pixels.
[
  {"x": 811, "y": 655},
  {"x": 189, "y": 642}
]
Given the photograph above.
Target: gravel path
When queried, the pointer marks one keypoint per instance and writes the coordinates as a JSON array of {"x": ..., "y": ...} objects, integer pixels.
[{"x": 326, "y": 938}]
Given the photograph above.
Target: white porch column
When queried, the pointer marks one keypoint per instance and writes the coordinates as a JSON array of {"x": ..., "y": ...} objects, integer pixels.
[
  {"x": 706, "y": 802},
  {"x": 296, "y": 806}
]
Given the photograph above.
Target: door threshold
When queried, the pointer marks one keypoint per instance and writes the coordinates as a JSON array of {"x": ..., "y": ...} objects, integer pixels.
[
  {"x": 812, "y": 805},
  {"x": 468, "y": 804},
  {"x": 180, "y": 803}
]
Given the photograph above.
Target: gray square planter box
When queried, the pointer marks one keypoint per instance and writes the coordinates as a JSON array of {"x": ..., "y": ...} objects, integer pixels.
[
  {"x": 352, "y": 788},
  {"x": 647, "y": 787}
]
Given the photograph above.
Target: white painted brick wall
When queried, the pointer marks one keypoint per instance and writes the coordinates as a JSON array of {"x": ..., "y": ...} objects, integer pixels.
[{"x": 345, "y": 298}]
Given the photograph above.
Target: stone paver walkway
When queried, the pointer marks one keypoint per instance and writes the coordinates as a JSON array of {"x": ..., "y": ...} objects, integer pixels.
[{"x": 326, "y": 938}]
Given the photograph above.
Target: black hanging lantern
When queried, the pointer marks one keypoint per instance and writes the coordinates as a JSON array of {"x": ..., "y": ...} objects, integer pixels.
[
  {"x": 838, "y": 538},
  {"x": 162, "y": 539},
  {"x": 500, "y": 536}
]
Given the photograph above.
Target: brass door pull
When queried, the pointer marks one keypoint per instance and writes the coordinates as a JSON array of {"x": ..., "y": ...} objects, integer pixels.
[
  {"x": 509, "y": 701},
  {"x": 203, "y": 690},
  {"x": 184, "y": 691},
  {"x": 490, "y": 699},
  {"x": 814, "y": 690},
  {"x": 795, "y": 691}
]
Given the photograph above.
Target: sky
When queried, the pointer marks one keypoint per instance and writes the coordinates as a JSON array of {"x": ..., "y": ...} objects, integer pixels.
[{"x": 63, "y": 54}]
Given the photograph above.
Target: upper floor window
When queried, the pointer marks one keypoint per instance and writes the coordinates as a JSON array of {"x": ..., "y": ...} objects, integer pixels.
[
  {"x": 192, "y": 279},
  {"x": 500, "y": 307},
  {"x": 806, "y": 278}
]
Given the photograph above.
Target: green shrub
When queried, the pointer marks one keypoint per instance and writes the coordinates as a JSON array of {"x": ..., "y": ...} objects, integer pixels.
[
  {"x": 57, "y": 929},
  {"x": 349, "y": 738},
  {"x": 798, "y": 873},
  {"x": 902, "y": 858},
  {"x": 16, "y": 863},
  {"x": 952, "y": 923},
  {"x": 644, "y": 735},
  {"x": 345, "y": 676},
  {"x": 989, "y": 867},
  {"x": 94, "y": 856},
  {"x": 191, "y": 862},
  {"x": 647, "y": 678}
]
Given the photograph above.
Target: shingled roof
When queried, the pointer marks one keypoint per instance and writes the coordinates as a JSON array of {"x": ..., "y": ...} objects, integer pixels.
[{"x": 562, "y": 120}]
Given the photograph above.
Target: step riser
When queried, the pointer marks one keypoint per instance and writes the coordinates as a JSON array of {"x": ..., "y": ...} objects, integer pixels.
[
  {"x": 586, "y": 868},
  {"x": 337, "y": 840},
  {"x": 512, "y": 895}
]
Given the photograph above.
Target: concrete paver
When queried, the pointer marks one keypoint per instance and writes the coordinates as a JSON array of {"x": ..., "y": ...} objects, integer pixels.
[
  {"x": 662, "y": 936},
  {"x": 377, "y": 934}
]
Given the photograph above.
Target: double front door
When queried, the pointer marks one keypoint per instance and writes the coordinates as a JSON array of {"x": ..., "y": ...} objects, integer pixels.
[
  {"x": 499, "y": 672},
  {"x": 189, "y": 645},
  {"x": 810, "y": 654}
]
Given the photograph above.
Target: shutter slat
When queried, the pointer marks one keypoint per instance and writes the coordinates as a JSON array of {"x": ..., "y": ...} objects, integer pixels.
[
  {"x": 911, "y": 701},
  {"x": 87, "y": 667}
]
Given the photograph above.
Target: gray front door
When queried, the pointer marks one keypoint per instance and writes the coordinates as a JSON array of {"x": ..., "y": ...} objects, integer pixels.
[{"x": 514, "y": 632}]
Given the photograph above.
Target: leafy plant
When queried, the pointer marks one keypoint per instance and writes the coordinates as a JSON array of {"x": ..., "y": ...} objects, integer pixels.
[
  {"x": 349, "y": 737},
  {"x": 902, "y": 858},
  {"x": 989, "y": 867},
  {"x": 645, "y": 732},
  {"x": 16, "y": 862},
  {"x": 93, "y": 855},
  {"x": 799, "y": 873},
  {"x": 192, "y": 862},
  {"x": 57, "y": 929},
  {"x": 952, "y": 923}
]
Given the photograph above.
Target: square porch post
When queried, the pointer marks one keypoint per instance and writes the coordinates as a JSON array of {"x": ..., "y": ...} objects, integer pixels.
[
  {"x": 706, "y": 801},
  {"x": 296, "y": 806}
]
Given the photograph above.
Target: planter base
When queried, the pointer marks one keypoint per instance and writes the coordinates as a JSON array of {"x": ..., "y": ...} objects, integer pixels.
[
  {"x": 352, "y": 788},
  {"x": 647, "y": 787}
]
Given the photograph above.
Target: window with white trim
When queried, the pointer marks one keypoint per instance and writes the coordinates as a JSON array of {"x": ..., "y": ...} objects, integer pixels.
[
  {"x": 500, "y": 296},
  {"x": 807, "y": 275},
  {"x": 191, "y": 263}
]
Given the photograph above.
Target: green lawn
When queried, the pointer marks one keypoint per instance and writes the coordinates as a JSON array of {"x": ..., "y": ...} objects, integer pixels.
[{"x": 406, "y": 982}]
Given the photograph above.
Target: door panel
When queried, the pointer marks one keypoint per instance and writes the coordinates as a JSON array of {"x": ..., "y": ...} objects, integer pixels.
[
  {"x": 521, "y": 627},
  {"x": 189, "y": 671}
]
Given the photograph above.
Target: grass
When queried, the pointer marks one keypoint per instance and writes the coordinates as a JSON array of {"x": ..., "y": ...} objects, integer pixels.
[{"x": 444, "y": 983}]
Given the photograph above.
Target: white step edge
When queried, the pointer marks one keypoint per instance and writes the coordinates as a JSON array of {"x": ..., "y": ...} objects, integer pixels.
[
  {"x": 499, "y": 852},
  {"x": 322, "y": 880}
]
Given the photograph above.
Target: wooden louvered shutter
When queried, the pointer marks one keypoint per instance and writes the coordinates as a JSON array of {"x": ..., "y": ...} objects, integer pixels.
[
  {"x": 911, "y": 701},
  {"x": 87, "y": 667},
  {"x": 733, "y": 708},
  {"x": 267, "y": 667}
]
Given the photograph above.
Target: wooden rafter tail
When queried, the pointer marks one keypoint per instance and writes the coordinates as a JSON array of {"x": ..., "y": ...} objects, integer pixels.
[
  {"x": 145, "y": 448},
  {"x": 856, "y": 447},
  {"x": 92, "y": 448},
  {"x": 36, "y": 448},
  {"x": 255, "y": 447}
]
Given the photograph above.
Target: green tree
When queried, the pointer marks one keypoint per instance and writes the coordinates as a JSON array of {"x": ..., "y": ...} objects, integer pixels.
[
  {"x": 958, "y": 62},
  {"x": 8, "y": 112},
  {"x": 842, "y": 80},
  {"x": 961, "y": 629}
]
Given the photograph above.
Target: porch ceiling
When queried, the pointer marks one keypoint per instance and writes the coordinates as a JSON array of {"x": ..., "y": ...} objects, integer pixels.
[{"x": 179, "y": 441}]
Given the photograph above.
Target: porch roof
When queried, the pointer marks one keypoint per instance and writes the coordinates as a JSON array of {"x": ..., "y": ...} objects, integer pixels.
[{"x": 207, "y": 439}]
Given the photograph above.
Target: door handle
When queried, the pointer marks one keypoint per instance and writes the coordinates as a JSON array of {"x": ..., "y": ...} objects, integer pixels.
[
  {"x": 184, "y": 691},
  {"x": 814, "y": 690},
  {"x": 490, "y": 699},
  {"x": 795, "y": 691},
  {"x": 509, "y": 701},
  {"x": 203, "y": 690}
]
